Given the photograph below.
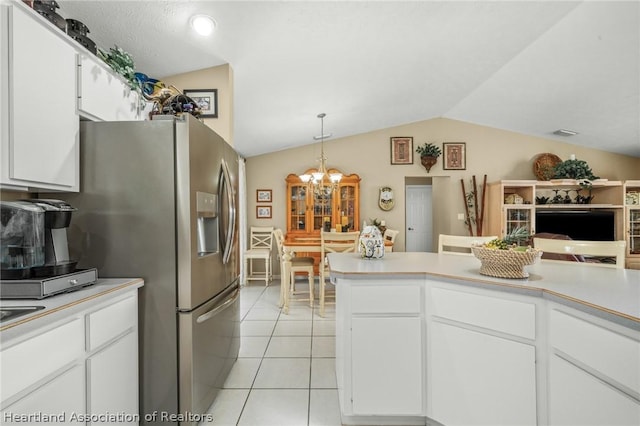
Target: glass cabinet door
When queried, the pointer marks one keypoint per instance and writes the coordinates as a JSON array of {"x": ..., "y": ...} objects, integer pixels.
[
  {"x": 518, "y": 218},
  {"x": 298, "y": 211},
  {"x": 322, "y": 211},
  {"x": 346, "y": 207},
  {"x": 634, "y": 231}
]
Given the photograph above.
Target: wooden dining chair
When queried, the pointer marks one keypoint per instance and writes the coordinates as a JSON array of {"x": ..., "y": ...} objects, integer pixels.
[
  {"x": 459, "y": 244},
  {"x": 591, "y": 253},
  {"x": 260, "y": 243},
  {"x": 333, "y": 242},
  {"x": 298, "y": 264}
]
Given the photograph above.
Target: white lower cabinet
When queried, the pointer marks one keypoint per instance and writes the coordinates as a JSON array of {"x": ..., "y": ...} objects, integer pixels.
[
  {"x": 83, "y": 368},
  {"x": 480, "y": 379},
  {"x": 594, "y": 372},
  {"x": 579, "y": 398},
  {"x": 387, "y": 379},
  {"x": 482, "y": 357},
  {"x": 61, "y": 398},
  {"x": 114, "y": 390},
  {"x": 414, "y": 352},
  {"x": 379, "y": 350}
]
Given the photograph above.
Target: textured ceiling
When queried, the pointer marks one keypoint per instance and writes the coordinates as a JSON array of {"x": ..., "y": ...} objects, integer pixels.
[{"x": 529, "y": 67}]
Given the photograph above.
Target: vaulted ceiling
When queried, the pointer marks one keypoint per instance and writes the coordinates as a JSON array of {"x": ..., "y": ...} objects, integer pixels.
[{"x": 527, "y": 66}]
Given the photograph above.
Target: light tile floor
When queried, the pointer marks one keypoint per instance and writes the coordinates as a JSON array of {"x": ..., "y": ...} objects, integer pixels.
[{"x": 285, "y": 373}]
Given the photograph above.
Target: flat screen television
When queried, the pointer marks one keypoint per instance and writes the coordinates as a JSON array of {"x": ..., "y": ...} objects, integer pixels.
[{"x": 596, "y": 225}]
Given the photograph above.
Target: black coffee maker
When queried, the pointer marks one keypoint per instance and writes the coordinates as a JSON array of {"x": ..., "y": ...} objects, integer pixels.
[{"x": 57, "y": 217}]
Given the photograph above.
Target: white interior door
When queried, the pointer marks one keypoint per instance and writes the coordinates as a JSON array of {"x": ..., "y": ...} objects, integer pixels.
[{"x": 419, "y": 218}]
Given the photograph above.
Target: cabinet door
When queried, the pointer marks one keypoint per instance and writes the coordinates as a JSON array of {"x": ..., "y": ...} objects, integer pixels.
[
  {"x": 633, "y": 230},
  {"x": 321, "y": 212},
  {"x": 61, "y": 397},
  {"x": 112, "y": 377},
  {"x": 44, "y": 125},
  {"x": 102, "y": 95},
  {"x": 479, "y": 379},
  {"x": 347, "y": 207},
  {"x": 518, "y": 218},
  {"x": 578, "y": 398},
  {"x": 297, "y": 208},
  {"x": 387, "y": 378}
]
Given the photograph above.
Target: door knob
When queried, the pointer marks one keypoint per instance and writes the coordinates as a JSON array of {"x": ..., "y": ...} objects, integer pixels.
[{"x": 410, "y": 229}]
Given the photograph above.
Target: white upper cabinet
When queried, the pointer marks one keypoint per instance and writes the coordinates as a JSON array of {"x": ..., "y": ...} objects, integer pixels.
[
  {"x": 102, "y": 96},
  {"x": 38, "y": 110}
]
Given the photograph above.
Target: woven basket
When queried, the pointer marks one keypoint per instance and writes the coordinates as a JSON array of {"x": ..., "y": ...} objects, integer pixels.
[{"x": 505, "y": 263}]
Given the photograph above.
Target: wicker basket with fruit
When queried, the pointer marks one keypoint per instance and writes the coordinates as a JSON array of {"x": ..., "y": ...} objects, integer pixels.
[{"x": 503, "y": 258}]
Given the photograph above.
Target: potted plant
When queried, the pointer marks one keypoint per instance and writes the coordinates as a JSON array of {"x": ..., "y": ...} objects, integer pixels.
[
  {"x": 429, "y": 154},
  {"x": 573, "y": 169}
]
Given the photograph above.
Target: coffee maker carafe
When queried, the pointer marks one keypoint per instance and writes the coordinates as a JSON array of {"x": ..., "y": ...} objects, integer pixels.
[
  {"x": 57, "y": 217},
  {"x": 22, "y": 239}
]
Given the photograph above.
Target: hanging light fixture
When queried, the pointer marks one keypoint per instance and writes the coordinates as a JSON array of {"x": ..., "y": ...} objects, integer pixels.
[{"x": 317, "y": 182}]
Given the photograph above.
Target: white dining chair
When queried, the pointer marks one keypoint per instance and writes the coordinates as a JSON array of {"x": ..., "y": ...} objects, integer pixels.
[
  {"x": 261, "y": 240},
  {"x": 460, "y": 244},
  {"x": 298, "y": 264},
  {"x": 591, "y": 253},
  {"x": 333, "y": 242}
]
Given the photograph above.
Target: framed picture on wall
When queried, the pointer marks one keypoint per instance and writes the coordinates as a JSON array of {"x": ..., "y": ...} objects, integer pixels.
[
  {"x": 263, "y": 195},
  {"x": 263, "y": 212},
  {"x": 454, "y": 155},
  {"x": 207, "y": 100},
  {"x": 401, "y": 150}
]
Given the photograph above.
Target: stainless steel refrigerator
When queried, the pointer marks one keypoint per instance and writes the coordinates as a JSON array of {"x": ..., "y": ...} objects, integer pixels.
[{"x": 158, "y": 201}]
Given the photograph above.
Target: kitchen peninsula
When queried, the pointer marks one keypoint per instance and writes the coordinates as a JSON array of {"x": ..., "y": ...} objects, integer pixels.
[{"x": 424, "y": 336}]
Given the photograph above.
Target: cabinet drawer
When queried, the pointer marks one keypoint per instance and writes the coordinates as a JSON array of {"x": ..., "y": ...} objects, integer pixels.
[
  {"x": 111, "y": 321},
  {"x": 30, "y": 361},
  {"x": 380, "y": 299},
  {"x": 506, "y": 316},
  {"x": 604, "y": 350}
]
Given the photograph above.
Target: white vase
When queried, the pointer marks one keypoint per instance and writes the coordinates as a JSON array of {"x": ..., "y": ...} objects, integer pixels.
[{"x": 371, "y": 244}]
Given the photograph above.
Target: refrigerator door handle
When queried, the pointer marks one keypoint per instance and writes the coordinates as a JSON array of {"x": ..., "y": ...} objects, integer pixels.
[
  {"x": 231, "y": 228},
  {"x": 213, "y": 312}
]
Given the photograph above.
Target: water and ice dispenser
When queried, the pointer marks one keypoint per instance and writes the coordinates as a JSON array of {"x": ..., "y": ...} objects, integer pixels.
[{"x": 207, "y": 223}]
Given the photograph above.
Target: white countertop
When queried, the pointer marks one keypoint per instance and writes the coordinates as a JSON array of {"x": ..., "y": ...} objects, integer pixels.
[
  {"x": 608, "y": 292},
  {"x": 58, "y": 306}
]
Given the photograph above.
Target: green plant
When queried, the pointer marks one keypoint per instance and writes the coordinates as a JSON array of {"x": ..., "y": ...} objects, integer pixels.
[
  {"x": 122, "y": 63},
  {"x": 573, "y": 169},
  {"x": 513, "y": 238},
  {"x": 429, "y": 150}
]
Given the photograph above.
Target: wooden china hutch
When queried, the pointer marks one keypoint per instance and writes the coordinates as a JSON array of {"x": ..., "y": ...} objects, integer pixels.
[{"x": 307, "y": 211}]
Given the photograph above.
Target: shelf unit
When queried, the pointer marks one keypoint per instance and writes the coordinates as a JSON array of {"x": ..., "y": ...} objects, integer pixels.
[
  {"x": 632, "y": 222},
  {"x": 513, "y": 203}
]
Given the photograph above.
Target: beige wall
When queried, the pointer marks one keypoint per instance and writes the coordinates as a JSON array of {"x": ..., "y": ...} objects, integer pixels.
[
  {"x": 497, "y": 153},
  {"x": 221, "y": 78}
]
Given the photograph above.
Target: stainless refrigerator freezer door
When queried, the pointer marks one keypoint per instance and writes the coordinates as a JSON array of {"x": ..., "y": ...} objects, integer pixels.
[
  {"x": 209, "y": 345},
  {"x": 199, "y": 156}
]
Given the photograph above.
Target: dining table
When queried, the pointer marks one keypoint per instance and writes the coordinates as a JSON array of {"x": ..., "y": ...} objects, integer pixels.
[{"x": 299, "y": 244}]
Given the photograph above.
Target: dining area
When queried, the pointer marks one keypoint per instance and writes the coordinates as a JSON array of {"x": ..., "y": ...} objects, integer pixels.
[{"x": 302, "y": 259}]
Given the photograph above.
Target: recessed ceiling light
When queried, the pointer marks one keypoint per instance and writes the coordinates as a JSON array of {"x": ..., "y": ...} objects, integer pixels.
[
  {"x": 203, "y": 24},
  {"x": 564, "y": 132}
]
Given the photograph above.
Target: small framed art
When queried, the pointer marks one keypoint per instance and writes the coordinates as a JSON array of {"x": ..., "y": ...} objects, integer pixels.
[
  {"x": 454, "y": 155},
  {"x": 263, "y": 212},
  {"x": 263, "y": 195},
  {"x": 207, "y": 100},
  {"x": 401, "y": 150}
]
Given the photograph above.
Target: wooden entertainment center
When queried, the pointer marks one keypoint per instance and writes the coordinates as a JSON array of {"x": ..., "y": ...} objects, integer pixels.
[{"x": 516, "y": 203}]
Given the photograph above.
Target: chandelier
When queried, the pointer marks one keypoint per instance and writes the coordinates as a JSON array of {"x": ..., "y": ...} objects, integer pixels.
[{"x": 321, "y": 182}]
